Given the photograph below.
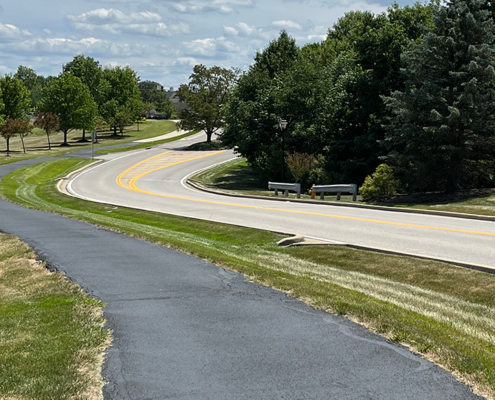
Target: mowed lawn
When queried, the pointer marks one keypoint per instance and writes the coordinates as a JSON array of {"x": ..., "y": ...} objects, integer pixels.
[
  {"x": 238, "y": 177},
  {"x": 444, "y": 312},
  {"x": 52, "y": 338},
  {"x": 37, "y": 144}
]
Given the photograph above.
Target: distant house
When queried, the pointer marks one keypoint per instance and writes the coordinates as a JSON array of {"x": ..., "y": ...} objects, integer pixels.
[{"x": 172, "y": 96}]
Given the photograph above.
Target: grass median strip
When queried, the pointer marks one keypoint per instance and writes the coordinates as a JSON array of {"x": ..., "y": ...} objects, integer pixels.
[
  {"x": 146, "y": 145},
  {"x": 445, "y": 312},
  {"x": 51, "y": 333},
  {"x": 237, "y": 176}
]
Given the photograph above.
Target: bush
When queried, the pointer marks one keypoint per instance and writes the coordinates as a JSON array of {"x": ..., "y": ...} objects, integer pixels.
[
  {"x": 299, "y": 165},
  {"x": 381, "y": 185}
]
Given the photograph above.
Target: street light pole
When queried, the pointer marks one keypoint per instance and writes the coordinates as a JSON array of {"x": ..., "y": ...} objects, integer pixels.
[{"x": 283, "y": 126}]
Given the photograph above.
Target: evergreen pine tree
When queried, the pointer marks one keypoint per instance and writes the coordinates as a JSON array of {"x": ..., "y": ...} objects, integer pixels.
[{"x": 442, "y": 135}]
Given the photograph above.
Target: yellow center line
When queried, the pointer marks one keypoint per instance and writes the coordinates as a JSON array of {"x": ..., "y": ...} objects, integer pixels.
[{"x": 132, "y": 186}]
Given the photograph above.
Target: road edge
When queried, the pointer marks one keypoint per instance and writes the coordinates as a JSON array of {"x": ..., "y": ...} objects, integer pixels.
[{"x": 198, "y": 186}]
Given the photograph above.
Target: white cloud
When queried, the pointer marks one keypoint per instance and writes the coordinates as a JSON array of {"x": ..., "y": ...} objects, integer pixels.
[
  {"x": 88, "y": 46},
  {"x": 243, "y": 29},
  {"x": 287, "y": 24},
  {"x": 201, "y": 8},
  {"x": 11, "y": 33},
  {"x": 209, "y": 47},
  {"x": 185, "y": 62},
  {"x": 230, "y": 31},
  {"x": 103, "y": 16},
  {"x": 116, "y": 22},
  {"x": 201, "y": 47}
]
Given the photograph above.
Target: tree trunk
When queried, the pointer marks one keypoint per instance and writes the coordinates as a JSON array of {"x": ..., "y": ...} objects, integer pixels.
[
  {"x": 208, "y": 136},
  {"x": 49, "y": 144},
  {"x": 8, "y": 146},
  {"x": 65, "y": 138},
  {"x": 115, "y": 130},
  {"x": 22, "y": 141},
  {"x": 83, "y": 139}
]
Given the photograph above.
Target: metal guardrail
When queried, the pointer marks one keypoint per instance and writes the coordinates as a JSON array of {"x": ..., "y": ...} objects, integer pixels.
[
  {"x": 322, "y": 189},
  {"x": 295, "y": 187}
]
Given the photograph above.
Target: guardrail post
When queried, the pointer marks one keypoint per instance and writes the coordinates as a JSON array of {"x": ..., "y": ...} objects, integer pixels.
[{"x": 338, "y": 195}]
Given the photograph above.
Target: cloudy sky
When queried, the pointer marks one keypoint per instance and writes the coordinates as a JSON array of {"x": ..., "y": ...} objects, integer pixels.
[{"x": 160, "y": 39}]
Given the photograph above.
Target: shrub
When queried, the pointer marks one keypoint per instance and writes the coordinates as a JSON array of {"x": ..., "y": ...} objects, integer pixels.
[
  {"x": 381, "y": 185},
  {"x": 299, "y": 165}
]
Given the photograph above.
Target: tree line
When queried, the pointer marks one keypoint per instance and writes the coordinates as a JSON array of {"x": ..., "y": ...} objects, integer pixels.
[
  {"x": 85, "y": 96},
  {"x": 412, "y": 87}
]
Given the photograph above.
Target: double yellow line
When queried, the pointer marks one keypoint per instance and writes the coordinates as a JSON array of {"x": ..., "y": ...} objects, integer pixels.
[{"x": 132, "y": 186}]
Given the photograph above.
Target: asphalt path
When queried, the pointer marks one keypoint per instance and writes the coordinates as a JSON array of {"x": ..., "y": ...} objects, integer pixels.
[
  {"x": 154, "y": 180},
  {"x": 186, "y": 329}
]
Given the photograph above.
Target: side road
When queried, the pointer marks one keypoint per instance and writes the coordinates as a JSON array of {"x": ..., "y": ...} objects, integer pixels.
[{"x": 184, "y": 328}]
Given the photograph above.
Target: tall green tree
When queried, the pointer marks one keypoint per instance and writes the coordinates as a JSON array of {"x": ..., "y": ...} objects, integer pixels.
[
  {"x": 123, "y": 104},
  {"x": 205, "y": 94},
  {"x": 442, "y": 135},
  {"x": 254, "y": 109},
  {"x": 372, "y": 46},
  {"x": 91, "y": 74},
  {"x": 33, "y": 82},
  {"x": 70, "y": 99},
  {"x": 15, "y": 97}
]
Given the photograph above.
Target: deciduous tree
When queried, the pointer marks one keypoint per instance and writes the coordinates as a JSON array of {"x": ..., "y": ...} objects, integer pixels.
[
  {"x": 70, "y": 99},
  {"x": 14, "y": 127},
  {"x": 49, "y": 122},
  {"x": 91, "y": 74},
  {"x": 15, "y": 97},
  {"x": 123, "y": 104},
  {"x": 205, "y": 94}
]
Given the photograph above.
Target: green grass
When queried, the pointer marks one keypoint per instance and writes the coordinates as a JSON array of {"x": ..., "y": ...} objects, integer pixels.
[
  {"x": 146, "y": 145},
  {"x": 445, "y": 312},
  {"x": 483, "y": 205},
  {"x": 51, "y": 333},
  {"x": 205, "y": 146},
  {"x": 37, "y": 146},
  {"x": 238, "y": 177}
]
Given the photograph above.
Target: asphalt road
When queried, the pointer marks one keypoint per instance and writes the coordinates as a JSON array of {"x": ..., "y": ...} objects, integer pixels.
[
  {"x": 154, "y": 180},
  {"x": 186, "y": 329}
]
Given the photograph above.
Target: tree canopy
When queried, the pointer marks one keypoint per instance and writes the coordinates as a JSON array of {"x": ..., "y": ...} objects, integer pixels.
[
  {"x": 70, "y": 99},
  {"x": 442, "y": 134},
  {"x": 123, "y": 104},
  {"x": 206, "y": 93},
  {"x": 15, "y": 97}
]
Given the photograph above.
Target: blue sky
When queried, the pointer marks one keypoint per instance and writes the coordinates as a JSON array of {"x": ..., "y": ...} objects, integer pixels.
[{"x": 161, "y": 39}]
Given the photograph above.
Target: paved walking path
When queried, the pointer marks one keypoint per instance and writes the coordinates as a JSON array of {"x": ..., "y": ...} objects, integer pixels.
[{"x": 186, "y": 329}]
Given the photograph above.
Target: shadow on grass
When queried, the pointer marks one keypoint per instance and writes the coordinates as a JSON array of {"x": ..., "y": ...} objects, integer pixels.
[
  {"x": 438, "y": 198},
  {"x": 240, "y": 178}
]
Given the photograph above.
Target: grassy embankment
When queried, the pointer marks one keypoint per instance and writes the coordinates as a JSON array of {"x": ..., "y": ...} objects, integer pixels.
[
  {"x": 444, "y": 312},
  {"x": 37, "y": 145},
  {"x": 146, "y": 145},
  {"x": 237, "y": 177},
  {"x": 51, "y": 333}
]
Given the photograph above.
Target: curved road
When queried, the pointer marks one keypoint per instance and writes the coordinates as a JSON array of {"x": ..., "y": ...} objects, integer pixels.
[
  {"x": 186, "y": 329},
  {"x": 154, "y": 180}
]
